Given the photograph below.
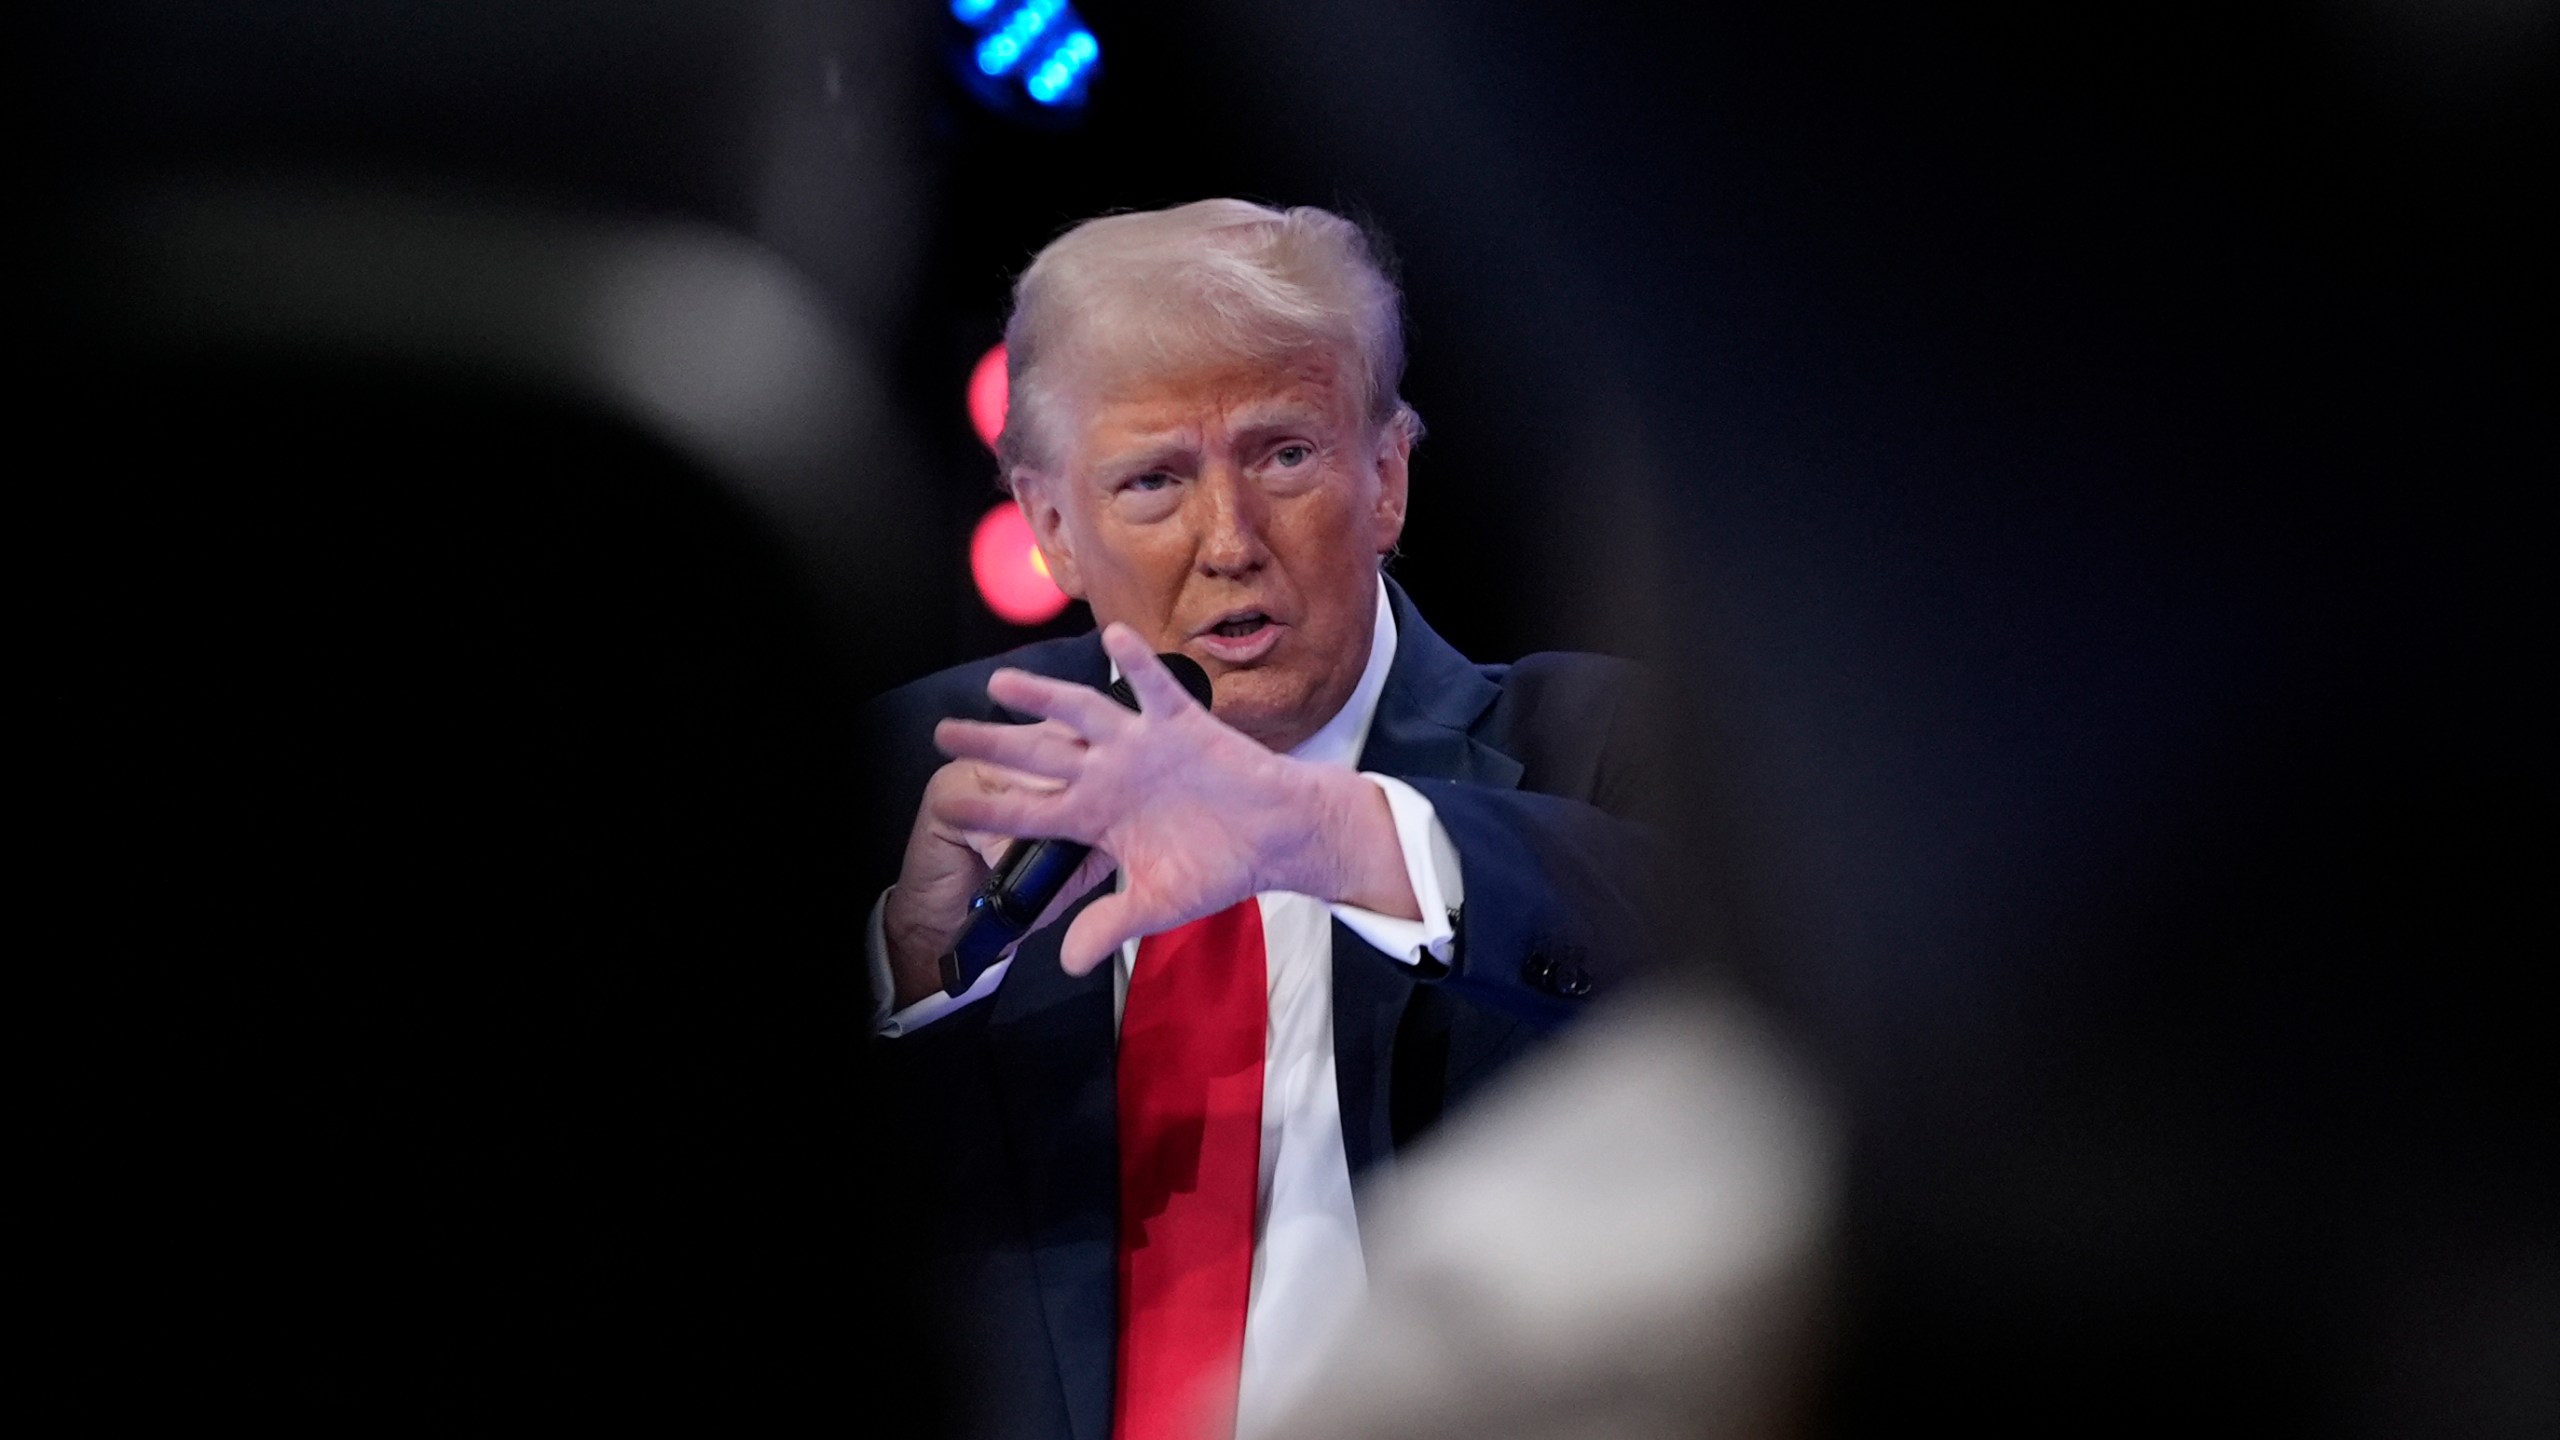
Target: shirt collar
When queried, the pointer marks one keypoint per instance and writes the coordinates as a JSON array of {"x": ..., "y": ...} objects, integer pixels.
[{"x": 1343, "y": 736}]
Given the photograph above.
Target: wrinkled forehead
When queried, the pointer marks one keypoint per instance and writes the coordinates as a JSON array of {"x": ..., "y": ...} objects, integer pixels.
[{"x": 1143, "y": 391}]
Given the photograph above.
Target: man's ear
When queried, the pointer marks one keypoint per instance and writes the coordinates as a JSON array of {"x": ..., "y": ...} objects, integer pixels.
[
  {"x": 1395, "y": 452},
  {"x": 1049, "y": 531}
]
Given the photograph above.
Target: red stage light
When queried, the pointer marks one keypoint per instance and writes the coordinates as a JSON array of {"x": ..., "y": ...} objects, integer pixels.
[
  {"x": 1012, "y": 578},
  {"x": 988, "y": 393}
]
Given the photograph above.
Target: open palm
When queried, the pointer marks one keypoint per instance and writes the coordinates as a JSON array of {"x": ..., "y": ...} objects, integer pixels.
[{"x": 1196, "y": 814}]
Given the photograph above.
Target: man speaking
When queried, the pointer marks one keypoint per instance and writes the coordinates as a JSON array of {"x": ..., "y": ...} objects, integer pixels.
[{"x": 1316, "y": 913}]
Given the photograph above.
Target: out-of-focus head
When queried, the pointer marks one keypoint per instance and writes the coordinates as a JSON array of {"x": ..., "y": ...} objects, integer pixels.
[{"x": 1207, "y": 438}]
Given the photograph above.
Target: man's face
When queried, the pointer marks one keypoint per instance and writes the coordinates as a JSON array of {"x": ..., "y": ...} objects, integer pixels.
[{"x": 1234, "y": 513}]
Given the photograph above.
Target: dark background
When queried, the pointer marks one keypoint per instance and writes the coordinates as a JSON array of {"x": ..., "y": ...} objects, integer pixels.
[{"x": 2074, "y": 468}]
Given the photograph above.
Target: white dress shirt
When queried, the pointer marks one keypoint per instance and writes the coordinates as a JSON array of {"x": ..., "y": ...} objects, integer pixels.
[{"x": 1307, "y": 1269}]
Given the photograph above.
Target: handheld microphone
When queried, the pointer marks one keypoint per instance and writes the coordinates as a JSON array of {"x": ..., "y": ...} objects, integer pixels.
[{"x": 1032, "y": 872}]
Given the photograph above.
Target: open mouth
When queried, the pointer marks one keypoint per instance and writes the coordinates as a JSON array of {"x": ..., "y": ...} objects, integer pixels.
[{"x": 1243, "y": 638}]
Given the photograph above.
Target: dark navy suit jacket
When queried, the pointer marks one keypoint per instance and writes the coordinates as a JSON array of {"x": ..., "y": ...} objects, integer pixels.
[{"x": 1008, "y": 1106}]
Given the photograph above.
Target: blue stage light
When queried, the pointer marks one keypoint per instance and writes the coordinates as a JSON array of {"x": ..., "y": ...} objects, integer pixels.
[
  {"x": 1014, "y": 38},
  {"x": 1013, "y": 50},
  {"x": 1056, "y": 77}
]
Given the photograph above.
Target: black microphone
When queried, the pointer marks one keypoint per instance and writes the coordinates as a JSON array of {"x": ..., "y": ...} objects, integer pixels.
[{"x": 1032, "y": 872}]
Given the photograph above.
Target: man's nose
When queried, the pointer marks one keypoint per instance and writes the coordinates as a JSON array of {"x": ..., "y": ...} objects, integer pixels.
[{"x": 1230, "y": 517}]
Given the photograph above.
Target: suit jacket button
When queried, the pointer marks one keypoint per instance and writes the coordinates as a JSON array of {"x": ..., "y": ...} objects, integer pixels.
[{"x": 1557, "y": 978}]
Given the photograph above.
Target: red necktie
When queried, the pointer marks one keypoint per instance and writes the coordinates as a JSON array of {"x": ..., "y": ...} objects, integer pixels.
[{"x": 1191, "y": 1042}]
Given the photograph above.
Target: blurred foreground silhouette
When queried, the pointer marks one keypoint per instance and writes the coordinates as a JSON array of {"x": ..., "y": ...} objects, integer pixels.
[{"x": 451, "y": 576}]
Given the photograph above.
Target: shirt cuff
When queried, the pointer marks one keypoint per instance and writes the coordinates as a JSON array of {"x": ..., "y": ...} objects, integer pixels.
[
  {"x": 1431, "y": 867},
  {"x": 890, "y": 1025}
]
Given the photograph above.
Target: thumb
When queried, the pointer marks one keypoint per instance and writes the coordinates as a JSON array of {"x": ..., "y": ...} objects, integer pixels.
[{"x": 1103, "y": 927}]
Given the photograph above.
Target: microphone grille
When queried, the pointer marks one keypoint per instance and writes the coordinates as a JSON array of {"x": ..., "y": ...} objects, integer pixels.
[{"x": 1186, "y": 671}]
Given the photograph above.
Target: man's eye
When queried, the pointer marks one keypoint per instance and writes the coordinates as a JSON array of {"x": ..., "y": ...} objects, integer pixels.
[
  {"x": 1293, "y": 456},
  {"x": 1152, "y": 480}
]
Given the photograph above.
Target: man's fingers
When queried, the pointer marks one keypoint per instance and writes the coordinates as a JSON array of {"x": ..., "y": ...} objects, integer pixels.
[
  {"x": 979, "y": 777},
  {"x": 1048, "y": 749},
  {"x": 1157, "y": 691},
  {"x": 1086, "y": 711},
  {"x": 1008, "y": 803}
]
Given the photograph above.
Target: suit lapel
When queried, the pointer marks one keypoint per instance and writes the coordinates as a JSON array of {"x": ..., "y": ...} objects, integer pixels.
[
  {"x": 1051, "y": 1042},
  {"x": 1432, "y": 699},
  {"x": 1082, "y": 661}
]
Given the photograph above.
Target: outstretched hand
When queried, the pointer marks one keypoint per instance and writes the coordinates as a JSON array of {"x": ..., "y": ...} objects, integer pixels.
[{"x": 1196, "y": 814}]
